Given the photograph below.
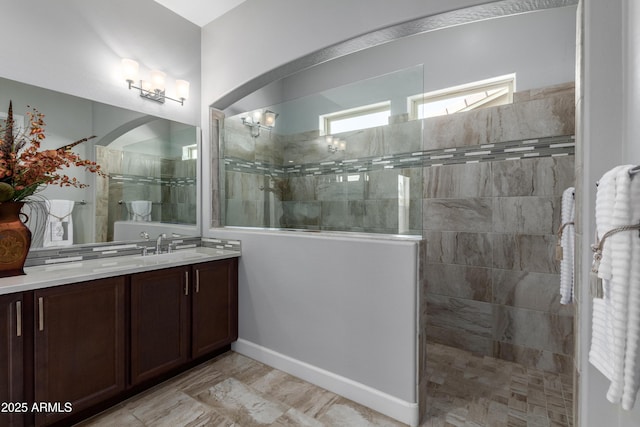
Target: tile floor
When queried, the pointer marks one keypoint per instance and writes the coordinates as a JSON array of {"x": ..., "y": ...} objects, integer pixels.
[
  {"x": 233, "y": 390},
  {"x": 470, "y": 391}
]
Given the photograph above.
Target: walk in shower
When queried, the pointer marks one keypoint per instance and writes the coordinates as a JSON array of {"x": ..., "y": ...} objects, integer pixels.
[
  {"x": 344, "y": 159},
  {"x": 475, "y": 190}
]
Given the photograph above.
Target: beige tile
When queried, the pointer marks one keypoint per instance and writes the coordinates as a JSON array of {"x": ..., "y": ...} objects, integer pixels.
[
  {"x": 304, "y": 397},
  {"x": 295, "y": 418},
  {"x": 462, "y": 390},
  {"x": 242, "y": 404},
  {"x": 348, "y": 414},
  {"x": 113, "y": 418}
]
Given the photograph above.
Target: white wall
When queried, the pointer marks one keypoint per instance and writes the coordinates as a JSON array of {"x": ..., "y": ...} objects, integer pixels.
[
  {"x": 75, "y": 47},
  {"x": 610, "y": 132}
]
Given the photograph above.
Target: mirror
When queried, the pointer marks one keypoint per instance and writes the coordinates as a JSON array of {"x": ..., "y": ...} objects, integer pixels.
[{"x": 150, "y": 163}]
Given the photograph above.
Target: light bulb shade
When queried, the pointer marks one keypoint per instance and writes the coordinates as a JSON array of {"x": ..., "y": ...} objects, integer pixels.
[
  {"x": 130, "y": 70},
  {"x": 158, "y": 79},
  {"x": 257, "y": 116},
  {"x": 270, "y": 118},
  {"x": 146, "y": 85},
  {"x": 182, "y": 89}
]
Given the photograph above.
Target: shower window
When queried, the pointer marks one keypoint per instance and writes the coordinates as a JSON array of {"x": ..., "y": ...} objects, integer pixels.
[
  {"x": 355, "y": 118},
  {"x": 485, "y": 93},
  {"x": 364, "y": 178}
]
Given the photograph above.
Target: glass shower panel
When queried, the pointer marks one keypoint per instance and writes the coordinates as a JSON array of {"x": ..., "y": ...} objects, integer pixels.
[{"x": 295, "y": 176}]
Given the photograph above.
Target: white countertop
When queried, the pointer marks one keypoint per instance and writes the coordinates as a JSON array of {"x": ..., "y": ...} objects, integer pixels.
[{"x": 45, "y": 276}]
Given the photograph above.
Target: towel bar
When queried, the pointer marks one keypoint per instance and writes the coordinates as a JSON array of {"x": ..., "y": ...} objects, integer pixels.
[{"x": 634, "y": 170}]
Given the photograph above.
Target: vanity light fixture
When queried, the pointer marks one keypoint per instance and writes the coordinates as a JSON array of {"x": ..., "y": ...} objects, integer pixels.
[
  {"x": 154, "y": 88},
  {"x": 335, "y": 144},
  {"x": 259, "y": 120}
]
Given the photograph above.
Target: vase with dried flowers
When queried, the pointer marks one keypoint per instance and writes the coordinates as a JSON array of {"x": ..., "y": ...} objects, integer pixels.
[{"x": 24, "y": 170}]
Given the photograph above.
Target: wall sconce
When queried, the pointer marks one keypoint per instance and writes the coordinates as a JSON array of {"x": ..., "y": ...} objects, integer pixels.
[
  {"x": 154, "y": 88},
  {"x": 259, "y": 120},
  {"x": 335, "y": 144}
]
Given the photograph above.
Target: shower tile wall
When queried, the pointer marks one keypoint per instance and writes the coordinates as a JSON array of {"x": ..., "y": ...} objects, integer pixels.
[
  {"x": 245, "y": 201},
  {"x": 488, "y": 214},
  {"x": 169, "y": 184},
  {"x": 491, "y": 282},
  {"x": 341, "y": 200}
]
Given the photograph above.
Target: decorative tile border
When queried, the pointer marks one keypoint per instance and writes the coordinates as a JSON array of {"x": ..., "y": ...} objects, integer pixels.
[
  {"x": 510, "y": 150},
  {"x": 230, "y": 245},
  {"x": 148, "y": 180},
  {"x": 114, "y": 249}
]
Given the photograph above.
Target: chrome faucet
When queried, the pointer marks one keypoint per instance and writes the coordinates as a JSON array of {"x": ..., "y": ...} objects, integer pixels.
[{"x": 159, "y": 242}]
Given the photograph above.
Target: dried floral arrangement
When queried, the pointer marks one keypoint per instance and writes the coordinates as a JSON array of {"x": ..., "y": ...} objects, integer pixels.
[{"x": 25, "y": 169}]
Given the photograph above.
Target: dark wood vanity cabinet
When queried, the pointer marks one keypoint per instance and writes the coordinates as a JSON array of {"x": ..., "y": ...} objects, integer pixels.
[
  {"x": 179, "y": 314},
  {"x": 214, "y": 306},
  {"x": 79, "y": 347},
  {"x": 11, "y": 360},
  {"x": 159, "y": 322}
]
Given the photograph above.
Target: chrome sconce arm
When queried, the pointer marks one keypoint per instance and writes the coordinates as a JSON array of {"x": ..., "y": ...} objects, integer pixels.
[
  {"x": 156, "y": 95},
  {"x": 260, "y": 120},
  {"x": 154, "y": 89}
]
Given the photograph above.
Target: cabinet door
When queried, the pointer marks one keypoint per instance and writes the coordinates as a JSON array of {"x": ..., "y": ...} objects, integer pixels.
[
  {"x": 79, "y": 345},
  {"x": 215, "y": 306},
  {"x": 11, "y": 350},
  {"x": 159, "y": 322}
]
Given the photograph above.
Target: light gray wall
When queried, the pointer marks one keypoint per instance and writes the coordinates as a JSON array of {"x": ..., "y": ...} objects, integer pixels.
[
  {"x": 537, "y": 46},
  {"x": 486, "y": 49},
  {"x": 258, "y": 36},
  {"x": 75, "y": 46}
]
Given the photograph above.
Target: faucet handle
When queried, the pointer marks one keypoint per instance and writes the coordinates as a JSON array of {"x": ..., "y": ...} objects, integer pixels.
[{"x": 144, "y": 235}]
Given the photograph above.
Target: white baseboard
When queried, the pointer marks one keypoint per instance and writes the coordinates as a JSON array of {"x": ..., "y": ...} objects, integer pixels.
[{"x": 406, "y": 412}]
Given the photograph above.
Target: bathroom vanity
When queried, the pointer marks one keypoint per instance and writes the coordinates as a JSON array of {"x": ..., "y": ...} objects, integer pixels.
[{"x": 79, "y": 337}]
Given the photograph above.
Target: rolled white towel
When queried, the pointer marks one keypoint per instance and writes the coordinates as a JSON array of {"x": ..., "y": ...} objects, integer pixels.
[
  {"x": 567, "y": 244},
  {"x": 602, "y": 335},
  {"x": 620, "y": 250},
  {"x": 632, "y": 356},
  {"x": 605, "y": 201}
]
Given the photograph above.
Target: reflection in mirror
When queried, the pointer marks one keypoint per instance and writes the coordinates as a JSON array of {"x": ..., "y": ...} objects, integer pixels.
[{"x": 151, "y": 165}]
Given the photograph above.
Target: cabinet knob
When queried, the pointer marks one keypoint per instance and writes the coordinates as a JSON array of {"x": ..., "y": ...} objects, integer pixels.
[
  {"x": 197, "y": 281},
  {"x": 186, "y": 282}
]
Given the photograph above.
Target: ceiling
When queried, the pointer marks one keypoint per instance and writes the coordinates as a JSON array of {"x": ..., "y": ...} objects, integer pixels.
[{"x": 200, "y": 12}]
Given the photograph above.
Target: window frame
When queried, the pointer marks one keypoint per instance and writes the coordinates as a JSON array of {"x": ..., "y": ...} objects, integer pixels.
[
  {"x": 326, "y": 119},
  {"x": 507, "y": 81}
]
